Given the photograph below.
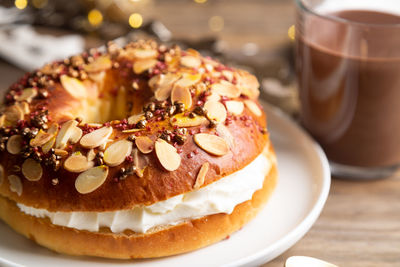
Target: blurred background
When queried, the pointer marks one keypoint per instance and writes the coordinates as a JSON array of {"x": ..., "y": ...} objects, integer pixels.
[{"x": 254, "y": 34}]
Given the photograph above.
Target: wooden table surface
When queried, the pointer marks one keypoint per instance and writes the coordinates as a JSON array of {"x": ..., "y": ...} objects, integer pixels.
[{"x": 360, "y": 223}]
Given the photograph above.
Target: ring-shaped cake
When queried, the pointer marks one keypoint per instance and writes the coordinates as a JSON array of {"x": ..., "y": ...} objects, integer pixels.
[{"x": 134, "y": 152}]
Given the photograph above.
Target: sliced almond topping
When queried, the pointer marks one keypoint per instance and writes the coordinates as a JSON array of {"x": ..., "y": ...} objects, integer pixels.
[
  {"x": 163, "y": 93},
  {"x": 91, "y": 155},
  {"x": 155, "y": 81},
  {"x": 136, "y": 118},
  {"x": 212, "y": 62},
  {"x": 167, "y": 155},
  {"x": 27, "y": 95},
  {"x": 192, "y": 52},
  {"x": 99, "y": 64},
  {"x": 116, "y": 153},
  {"x": 215, "y": 111},
  {"x": 212, "y": 144},
  {"x": 103, "y": 146},
  {"x": 93, "y": 124},
  {"x": 208, "y": 67},
  {"x": 41, "y": 138},
  {"x": 98, "y": 77},
  {"x": 216, "y": 74},
  {"x": 1, "y": 174},
  {"x": 225, "y": 88},
  {"x": 144, "y": 144},
  {"x": 185, "y": 121},
  {"x": 77, "y": 163},
  {"x": 228, "y": 75},
  {"x": 143, "y": 65},
  {"x": 253, "y": 107},
  {"x": 140, "y": 162},
  {"x": 66, "y": 132},
  {"x": 2, "y": 120},
  {"x": 60, "y": 152},
  {"x": 53, "y": 129},
  {"x": 234, "y": 107},
  {"x": 188, "y": 79},
  {"x": 190, "y": 61},
  {"x": 170, "y": 78},
  {"x": 224, "y": 132},
  {"x": 164, "y": 89},
  {"x": 252, "y": 93},
  {"x": 74, "y": 87},
  {"x": 97, "y": 137},
  {"x": 181, "y": 94},
  {"x": 24, "y": 106},
  {"x": 32, "y": 170},
  {"x": 15, "y": 184},
  {"x": 14, "y": 114},
  {"x": 76, "y": 135},
  {"x": 91, "y": 179},
  {"x": 14, "y": 144},
  {"x": 144, "y": 53},
  {"x": 49, "y": 145},
  {"x": 248, "y": 84},
  {"x": 201, "y": 175},
  {"x": 214, "y": 97},
  {"x": 132, "y": 130}
]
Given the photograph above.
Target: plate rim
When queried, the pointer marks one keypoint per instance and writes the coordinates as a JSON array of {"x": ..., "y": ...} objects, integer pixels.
[{"x": 293, "y": 236}]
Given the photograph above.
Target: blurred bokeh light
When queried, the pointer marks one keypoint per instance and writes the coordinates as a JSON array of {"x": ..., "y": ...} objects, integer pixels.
[
  {"x": 21, "y": 4},
  {"x": 135, "y": 20}
]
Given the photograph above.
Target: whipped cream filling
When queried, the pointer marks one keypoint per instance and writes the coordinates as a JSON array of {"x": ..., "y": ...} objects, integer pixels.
[{"x": 221, "y": 196}]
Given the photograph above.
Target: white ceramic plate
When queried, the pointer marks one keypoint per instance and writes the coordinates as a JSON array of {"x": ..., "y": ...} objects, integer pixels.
[{"x": 302, "y": 189}]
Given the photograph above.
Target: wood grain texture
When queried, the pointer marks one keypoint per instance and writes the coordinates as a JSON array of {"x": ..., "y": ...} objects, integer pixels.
[{"x": 359, "y": 226}]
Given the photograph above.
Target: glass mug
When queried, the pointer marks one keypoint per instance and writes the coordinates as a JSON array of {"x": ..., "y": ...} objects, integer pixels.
[{"x": 348, "y": 70}]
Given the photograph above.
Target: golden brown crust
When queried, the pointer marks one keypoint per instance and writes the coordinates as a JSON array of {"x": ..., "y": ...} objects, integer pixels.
[
  {"x": 173, "y": 240},
  {"x": 156, "y": 185},
  {"x": 55, "y": 190}
]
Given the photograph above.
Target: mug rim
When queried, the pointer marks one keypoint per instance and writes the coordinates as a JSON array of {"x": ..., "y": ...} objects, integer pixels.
[{"x": 300, "y": 5}]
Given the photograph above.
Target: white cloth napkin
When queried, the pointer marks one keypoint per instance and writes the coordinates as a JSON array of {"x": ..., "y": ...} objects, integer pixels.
[{"x": 22, "y": 46}]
